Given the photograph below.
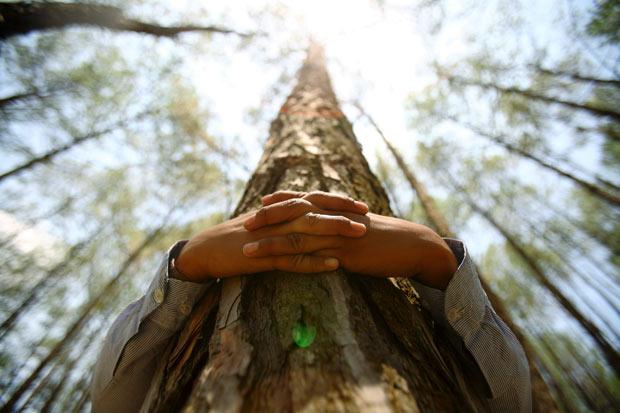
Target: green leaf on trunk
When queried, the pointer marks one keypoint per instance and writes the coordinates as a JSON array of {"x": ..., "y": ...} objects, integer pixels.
[{"x": 303, "y": 334}]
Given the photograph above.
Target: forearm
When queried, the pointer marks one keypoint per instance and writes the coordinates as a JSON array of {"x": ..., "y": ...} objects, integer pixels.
[
  {"x": 137, "y": 339},
  {"x": 464, "y": 308}
]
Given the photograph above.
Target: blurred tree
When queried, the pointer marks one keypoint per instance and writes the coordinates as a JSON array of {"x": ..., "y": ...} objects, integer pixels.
[
  {"x": 605, "y": 21},
  {"x": 77, "y": 325},
  {"x": 24, "y": 17}
]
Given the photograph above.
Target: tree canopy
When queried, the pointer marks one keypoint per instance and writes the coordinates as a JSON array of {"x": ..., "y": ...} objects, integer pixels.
[{"x": 126, "y": 126}]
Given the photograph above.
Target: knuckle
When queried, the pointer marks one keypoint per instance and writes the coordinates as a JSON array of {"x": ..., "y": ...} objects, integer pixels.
[
  {"x": 296, "y": 241},
  {"x": 297, "y": 260},
  {"x": 290, "y": 202},
  {"x": 261, "y": 215},
  {"x": 266, "y": 245},
  {"x": 343, "y": 221},
  {"x": 300, "y": 203},
  {"x": 312, "y": 219}
]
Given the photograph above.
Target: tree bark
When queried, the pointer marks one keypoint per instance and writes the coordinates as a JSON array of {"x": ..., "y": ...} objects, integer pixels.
[
  {"x": 594, "y": 110},
  {"x": 542, "y": 400},
  {"x": 25, "y": 17},
  {"x": 374, "y": 350}
]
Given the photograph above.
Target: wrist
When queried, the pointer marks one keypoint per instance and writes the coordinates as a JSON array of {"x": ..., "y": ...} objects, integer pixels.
[
  {"x": 439, "y": 264},
  {"x": 184, "y": 267}
]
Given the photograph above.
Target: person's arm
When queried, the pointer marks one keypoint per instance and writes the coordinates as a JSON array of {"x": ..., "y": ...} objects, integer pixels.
[
  {"x": 138, "y": 338},
  {"x": 130, "y": 351},
  {"x": 465, "y": 309},
  {"x": 444, "y": 275}
]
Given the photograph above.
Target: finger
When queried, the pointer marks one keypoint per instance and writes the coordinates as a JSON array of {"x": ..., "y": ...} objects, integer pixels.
[
  {"x": 300, "y": 263},
  {"x": 336, "y": 202},
  {"x": 324, "y": 200},
  {"x": 290, "y": 244},
  {"x": 321, "y": 224},
  {"x": 280, "y": 196},
  {"x": 280, "y": 212}
]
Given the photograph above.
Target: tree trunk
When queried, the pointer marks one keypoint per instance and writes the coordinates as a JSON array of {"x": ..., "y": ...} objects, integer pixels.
[
  {"x": 55, "y": 390},
  {"x": 610, "y": 354},
  {"x": 541, "y": 397},
  {"x": 577, "y": 76},
  {"x": 77, "y": 325},
  {"x": 53, "y": 153},
  {"x": 374, "y": 349},
  {"x": 25, "y": 17},
  {"x": 596, "y": 111},
  {"x": 570, "y": 270},
  {"x": 40, "y": 287},
  {"x": 9, "y": 100},
  {"x": 593, "y": 189}
]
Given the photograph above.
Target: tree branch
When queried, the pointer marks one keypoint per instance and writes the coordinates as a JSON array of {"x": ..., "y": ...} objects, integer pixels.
[{"x": 22, "y": 18}]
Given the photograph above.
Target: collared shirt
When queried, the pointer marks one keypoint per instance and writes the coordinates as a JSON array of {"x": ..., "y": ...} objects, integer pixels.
[{"x": 134, "y": 345}]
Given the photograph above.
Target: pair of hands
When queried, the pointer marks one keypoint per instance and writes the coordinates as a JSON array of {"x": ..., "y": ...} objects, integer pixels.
[{"x": 317, "y": 232}]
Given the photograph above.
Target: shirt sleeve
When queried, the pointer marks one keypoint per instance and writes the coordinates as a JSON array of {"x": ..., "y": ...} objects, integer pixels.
[
  {"x": 465, "y": 309},
  {"x": 129, "y": 355}
]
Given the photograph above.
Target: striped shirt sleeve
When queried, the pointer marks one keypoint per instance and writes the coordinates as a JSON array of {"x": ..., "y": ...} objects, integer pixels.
[
  {"x": 466, "y": 310},
  {"x": 131, "y": 349}
]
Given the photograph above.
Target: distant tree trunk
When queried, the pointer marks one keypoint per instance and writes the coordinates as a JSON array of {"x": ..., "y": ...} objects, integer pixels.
[
  {"x": 76, "y": 326},
  {"x": 374, "y": 350},
  {"x": 577, "y": 76},
  {"x": 25, "y": 17},
  {"x": 570, "y": 268},
  {"x": 588, "y": 186},
  {"x": 53, "y": 153},
  {"x": 542, "y": 400},
  {"x": 39, "y": 288},
  {"x": 569, "y": 375},
  {"x": 611, "y": 355},
  {"x": 82, "y": 391},
  {"x": 55, "y": 390},
  {"x": 9, "y": 100},
  {"x": 41, "y": 385},
  {"x": 596, "y": 111}
]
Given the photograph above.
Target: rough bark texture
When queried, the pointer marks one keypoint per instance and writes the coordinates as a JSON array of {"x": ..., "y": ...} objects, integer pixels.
[
  {"x": 25, "y": 17},
  {"x": 541, "y": 397},
  {"x": 375, "y": 349}
]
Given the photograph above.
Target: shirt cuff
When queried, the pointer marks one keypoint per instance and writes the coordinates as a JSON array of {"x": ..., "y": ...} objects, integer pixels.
[
  {"x": 169, "y": 301},
  {"x": 462, "y": 304}
]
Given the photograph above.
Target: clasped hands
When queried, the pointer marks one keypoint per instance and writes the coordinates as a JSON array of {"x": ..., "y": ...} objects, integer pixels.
[{"x": 316, "y": 232}]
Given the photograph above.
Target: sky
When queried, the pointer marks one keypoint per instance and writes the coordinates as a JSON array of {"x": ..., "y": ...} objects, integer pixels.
[{"x": 377, "y": 55}]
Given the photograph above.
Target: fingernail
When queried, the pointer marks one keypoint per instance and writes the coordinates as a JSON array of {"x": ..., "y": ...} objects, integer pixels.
[
  {"x": 265, "y": 198},
  {"x": 250, "y": 221},
  {"x": 358, "y": 227},
  {"x": 361, "y": 205},
  {"x": 250, "y": 248},
  {"x": 331, "y": 263}
]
